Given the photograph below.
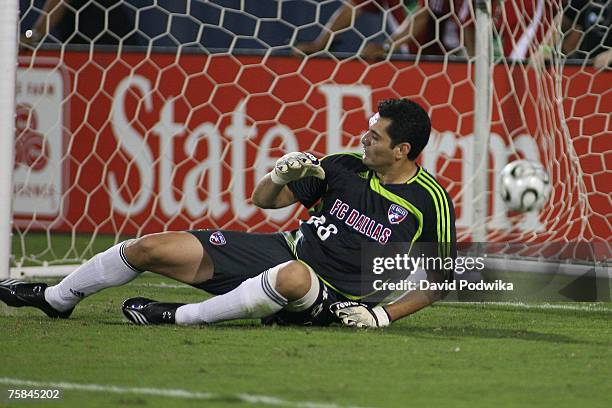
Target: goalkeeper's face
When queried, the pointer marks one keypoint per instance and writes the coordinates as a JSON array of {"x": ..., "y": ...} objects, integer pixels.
[{"x": 378, "y": 153}]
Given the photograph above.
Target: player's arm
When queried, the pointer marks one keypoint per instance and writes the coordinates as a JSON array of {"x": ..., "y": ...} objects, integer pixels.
[
  {"x": 268, "y": 194},
  {"x": 571, "y": 32},
  {"x": 412, "y": 302},
  {"x": 340, "y": 20},
  {"x": 408, "y": 32},
  {"x": 52, "y": 13},
  {"x": 360, "y": 315},
  {"x": 440, "y": 240},
  {"x": 411, "y": 28},
  {"x": 272, "y": 190}
]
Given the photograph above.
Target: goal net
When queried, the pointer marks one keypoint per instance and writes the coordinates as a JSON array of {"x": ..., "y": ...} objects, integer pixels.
[{"x": 135, "y": 117}]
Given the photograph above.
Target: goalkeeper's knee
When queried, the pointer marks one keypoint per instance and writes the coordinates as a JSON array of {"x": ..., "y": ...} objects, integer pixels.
[{"x": 298, "y": 283}]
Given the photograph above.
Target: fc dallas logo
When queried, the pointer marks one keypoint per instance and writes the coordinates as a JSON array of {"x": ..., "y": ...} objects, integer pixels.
[
  {"x": 217, "y": 238},
  {"x": 396, "y": 214}
]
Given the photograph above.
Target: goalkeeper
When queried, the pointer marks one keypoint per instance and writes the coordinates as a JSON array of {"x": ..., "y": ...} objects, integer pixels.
[{"x": 308, "y": 276}]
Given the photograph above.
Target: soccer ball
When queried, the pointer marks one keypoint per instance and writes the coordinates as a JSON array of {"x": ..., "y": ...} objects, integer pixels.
[{"x": 525, "y": 186}]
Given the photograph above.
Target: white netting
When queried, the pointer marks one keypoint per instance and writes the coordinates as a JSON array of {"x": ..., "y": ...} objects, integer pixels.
[{"x": 162, "y": 115}]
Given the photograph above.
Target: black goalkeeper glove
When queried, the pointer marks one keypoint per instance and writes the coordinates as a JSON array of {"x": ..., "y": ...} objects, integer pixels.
[{"x": 355, "y": 314}]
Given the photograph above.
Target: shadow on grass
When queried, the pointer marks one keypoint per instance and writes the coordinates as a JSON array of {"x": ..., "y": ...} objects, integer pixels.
[
  {"x": 430, "y": 332},
  {"x": 446, "y": 332}
]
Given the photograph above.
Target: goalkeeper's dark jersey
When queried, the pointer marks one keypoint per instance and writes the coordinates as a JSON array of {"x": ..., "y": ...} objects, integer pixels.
[{"x": 351, "y": 207}]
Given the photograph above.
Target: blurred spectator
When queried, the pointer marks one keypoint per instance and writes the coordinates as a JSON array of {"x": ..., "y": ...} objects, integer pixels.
[
  {"x": 524, "y": 27},
  {"x": 586, "y": 25},
  {"x": 108, "y": 22},
  {"x": 345, "y": 17},
  {"x": 433, "y": 29}
]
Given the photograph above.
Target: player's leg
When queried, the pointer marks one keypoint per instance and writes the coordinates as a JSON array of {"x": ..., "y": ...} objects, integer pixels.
[
  {"x": 254, "y": 275},
  {"x": 290, "y": 285},
  {"x": 260, "y": 296},
  {"x": 178, "y": 255},
  {"x": 234, "y": 256}
]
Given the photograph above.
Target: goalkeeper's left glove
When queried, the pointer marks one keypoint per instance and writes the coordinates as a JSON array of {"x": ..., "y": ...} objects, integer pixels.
[
  {"x": 294, "y": 166},
  {"x": 355, "y": 314}
]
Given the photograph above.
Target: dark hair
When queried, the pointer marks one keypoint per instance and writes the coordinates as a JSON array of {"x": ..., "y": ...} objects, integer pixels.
[{"x": 409, "y": 123}]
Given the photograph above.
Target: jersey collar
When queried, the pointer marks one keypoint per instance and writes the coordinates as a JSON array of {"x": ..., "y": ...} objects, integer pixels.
[{"x": 411, "y": 180}]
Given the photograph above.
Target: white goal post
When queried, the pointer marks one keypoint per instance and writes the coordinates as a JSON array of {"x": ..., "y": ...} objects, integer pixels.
[
  {"x": 483, "y": 73},
  {"x": 8, "y": 68}
]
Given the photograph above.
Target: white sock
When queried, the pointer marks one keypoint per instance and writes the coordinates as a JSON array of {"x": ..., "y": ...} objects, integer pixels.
[
  {"x": 254, "y": 298},
  {"x": 107, "y": 269}
]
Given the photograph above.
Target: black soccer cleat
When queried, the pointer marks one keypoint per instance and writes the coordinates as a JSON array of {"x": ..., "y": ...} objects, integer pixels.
[
  {"x": 17, "y": 293},
  {"x": 145, "y": 311}
]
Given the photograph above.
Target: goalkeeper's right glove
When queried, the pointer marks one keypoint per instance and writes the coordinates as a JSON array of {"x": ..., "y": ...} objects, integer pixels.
[
  {"x": 294, "y": 166},
  {"x": 356, "y": 314}
]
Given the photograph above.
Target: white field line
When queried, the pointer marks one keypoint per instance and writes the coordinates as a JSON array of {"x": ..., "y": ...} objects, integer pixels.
[
  {"x": 169, "y": 392},
  {"x": 543, "y": 306}
]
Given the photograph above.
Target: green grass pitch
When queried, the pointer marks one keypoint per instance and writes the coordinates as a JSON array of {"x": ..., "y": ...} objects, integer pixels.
[{"x": 452, "y": 355}]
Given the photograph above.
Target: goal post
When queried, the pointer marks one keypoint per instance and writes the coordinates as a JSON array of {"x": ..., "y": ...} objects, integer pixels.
[
  {"x": 157, "y": 118},
  {"x": 8, "y": 51},
  {"x": 483, "y": 74}
]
